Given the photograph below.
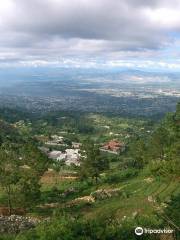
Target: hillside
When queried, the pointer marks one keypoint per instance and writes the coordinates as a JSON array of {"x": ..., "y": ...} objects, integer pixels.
[{"x": 108, "y": 195}]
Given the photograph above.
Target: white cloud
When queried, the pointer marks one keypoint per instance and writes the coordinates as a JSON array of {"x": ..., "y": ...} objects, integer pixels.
[
  {"x": 164, "y": 17},
  {"x": 46, "y": 30}
]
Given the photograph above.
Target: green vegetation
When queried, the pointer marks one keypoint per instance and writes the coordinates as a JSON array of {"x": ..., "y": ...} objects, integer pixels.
[
  {"x": 108, "y": 195},
  {"x": 92, "y": 163},
  {"x": 20, "y": 176}
]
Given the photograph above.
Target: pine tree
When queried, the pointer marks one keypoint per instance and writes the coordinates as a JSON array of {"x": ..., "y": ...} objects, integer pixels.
[{"x": 92, "y": 162}]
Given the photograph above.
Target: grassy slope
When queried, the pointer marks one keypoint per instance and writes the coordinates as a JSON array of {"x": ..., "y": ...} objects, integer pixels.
[
  {"x": 138, "y": 200},
  {"x": 141, "y": 193}
]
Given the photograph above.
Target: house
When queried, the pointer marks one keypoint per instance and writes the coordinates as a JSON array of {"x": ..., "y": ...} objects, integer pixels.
[
  {"x": 55, "y": 140},
  {"x": 113, "y": 146},
  {"x": 62, "y": 156},
  {"x": 76, "y": 145},
  {"x": 72, "y": 157},
  {"x": 54, "y": 154}
]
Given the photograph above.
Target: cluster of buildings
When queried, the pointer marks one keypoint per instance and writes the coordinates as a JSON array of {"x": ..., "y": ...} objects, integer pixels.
[
  {"x": 71, "y": 153},
  {"x": 69, "y": 156},
  {"x": 56, "y": 141}
]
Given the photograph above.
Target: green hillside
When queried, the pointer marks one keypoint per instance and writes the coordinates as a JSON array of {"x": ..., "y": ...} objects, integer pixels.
[{"x": 106, "y": 197}]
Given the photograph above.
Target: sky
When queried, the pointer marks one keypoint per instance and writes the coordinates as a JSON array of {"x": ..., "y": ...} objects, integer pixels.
[{"x": 142, "y": 34}]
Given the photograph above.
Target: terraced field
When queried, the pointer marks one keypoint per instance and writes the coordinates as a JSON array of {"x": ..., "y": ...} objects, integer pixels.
[{"x": 142, "y": 196}]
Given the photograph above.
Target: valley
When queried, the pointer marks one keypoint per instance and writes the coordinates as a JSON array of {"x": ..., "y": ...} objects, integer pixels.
[{"x": 79, "y": 169}]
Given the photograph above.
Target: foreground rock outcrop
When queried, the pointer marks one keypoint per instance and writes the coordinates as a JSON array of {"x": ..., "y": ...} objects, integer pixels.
[{"x": 15, "y": 223}]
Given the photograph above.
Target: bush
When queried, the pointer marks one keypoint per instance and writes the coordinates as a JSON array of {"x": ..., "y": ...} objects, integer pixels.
[
  {"x": 172, "y": 211},
  {"x": 121, "y": 176},
  {"x": 67, "y": 228},
  {"x": 7, "y": 237}
]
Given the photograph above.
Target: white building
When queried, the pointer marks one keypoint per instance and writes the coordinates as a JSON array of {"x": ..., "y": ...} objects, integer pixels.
[
  {"x": 54, "y": 154},
  {"x": 70, "y": 156}
]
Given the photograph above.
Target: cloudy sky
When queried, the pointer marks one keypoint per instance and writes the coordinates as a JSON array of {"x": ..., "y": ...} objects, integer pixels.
[{"x": 90, "y": 33}]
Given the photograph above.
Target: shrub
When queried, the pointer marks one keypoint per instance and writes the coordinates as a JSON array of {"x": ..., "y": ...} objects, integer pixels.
[
  {"x": 121, "y": 176},
  {"x": 67, "y": 228}
]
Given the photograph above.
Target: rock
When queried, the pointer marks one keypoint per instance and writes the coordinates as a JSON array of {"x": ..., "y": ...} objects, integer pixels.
[
  {"x": 106, "y": 193},
  {"x": 15, "y": 224},
  {"x": 149, "y": 180},
  {"x": 85, "y": 200},
  {"x": 151, "y": 199},
  {"x": 49, "y": 205},
  {"x": 134, "y": 214}
]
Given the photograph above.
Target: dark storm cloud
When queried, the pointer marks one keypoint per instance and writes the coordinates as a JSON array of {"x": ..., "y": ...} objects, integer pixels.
[{"x": 52, "y": 28}]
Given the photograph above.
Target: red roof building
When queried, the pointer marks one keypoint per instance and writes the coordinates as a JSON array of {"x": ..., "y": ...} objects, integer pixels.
[{"x": 113, "y": 146}]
